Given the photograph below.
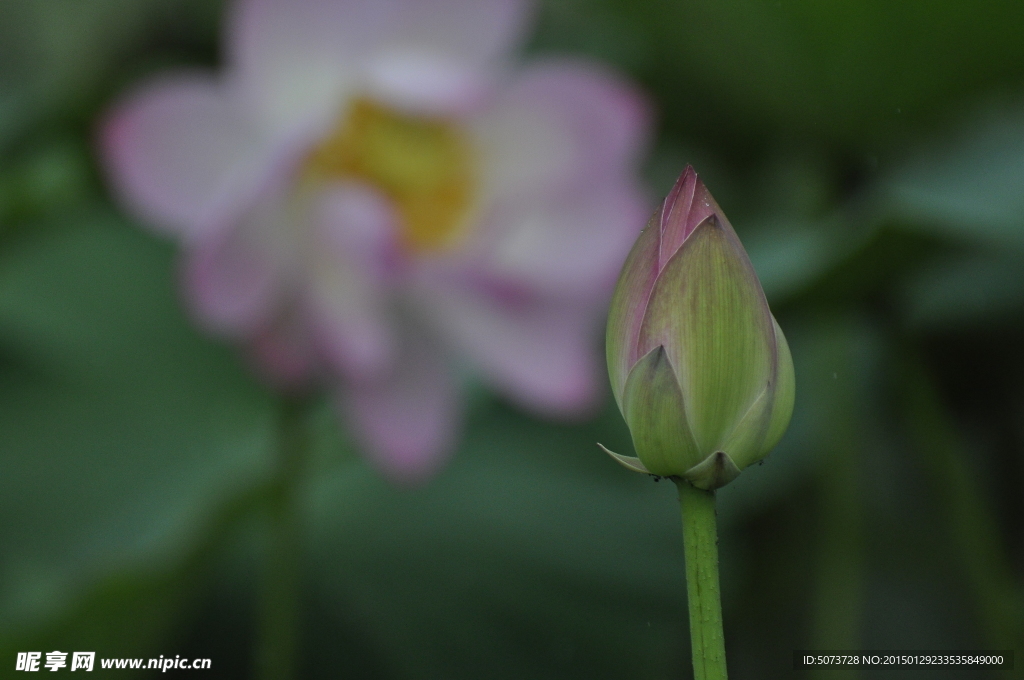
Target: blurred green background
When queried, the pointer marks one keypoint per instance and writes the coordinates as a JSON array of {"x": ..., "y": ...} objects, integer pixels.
[{"x": 870, "y": 154}]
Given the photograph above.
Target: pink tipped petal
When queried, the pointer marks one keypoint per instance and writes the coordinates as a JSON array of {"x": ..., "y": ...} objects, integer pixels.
[
  {"x": 407, "y": 421},
  {"x": 541, "y": 354},
  {"x": 675, "y": 212},
  {"x": 297, "y": 59},
  {"x": 570, "y": 245},
  {"x": 558, "y": 127},
  {"x": 352, "y": 249},
  {"x": 179, "y": 151},
  {"x": 687, "y": 205}
]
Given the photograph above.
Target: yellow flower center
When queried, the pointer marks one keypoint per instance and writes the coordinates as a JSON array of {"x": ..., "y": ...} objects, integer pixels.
[{"x": 425, "y": 165}]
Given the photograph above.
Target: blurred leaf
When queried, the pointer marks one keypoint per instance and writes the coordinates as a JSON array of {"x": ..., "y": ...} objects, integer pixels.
[
  {"x": 971, "y": 189},
  {"x": 120, "y": 425},
  {"x": 532, "y": 555},
  {"x": 51, "y": 177},
  {"x": 855, "y": 71},
  {"x": 846, "y": 433},
  {"x": 130, "y": 612},
  {"x": 966, "y": 507},
  {"x": 792, "y": 254},
  {"x": 960, "y": 291},
  {"x": 56, "y": 54},
  {"x": 605, "y": 30},
  {"x": 876, "y": 263}
]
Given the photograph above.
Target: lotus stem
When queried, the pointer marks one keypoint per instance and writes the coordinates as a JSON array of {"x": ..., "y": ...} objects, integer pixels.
[
  {"x": 703, "y": 593},
  {"x": 280, "y": 606}
]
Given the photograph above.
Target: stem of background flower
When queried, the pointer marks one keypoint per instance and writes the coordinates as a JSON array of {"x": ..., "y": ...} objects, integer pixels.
[
  {"x": 280, "y": 604},
  {"x": 839, "y": 590},
  {"x": 972, "y": 521},
  {"x": 838, "y": 595},
  {"x": 700, "y": 547}
]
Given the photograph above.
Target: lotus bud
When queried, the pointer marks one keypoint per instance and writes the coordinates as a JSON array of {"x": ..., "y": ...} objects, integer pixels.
[{"x": 699, "y": 367}]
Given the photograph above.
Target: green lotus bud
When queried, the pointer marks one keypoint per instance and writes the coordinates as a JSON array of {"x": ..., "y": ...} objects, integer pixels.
[{"x": 699, "y": 367}]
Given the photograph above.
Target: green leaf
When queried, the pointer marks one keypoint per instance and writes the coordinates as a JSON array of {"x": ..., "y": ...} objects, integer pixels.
[{"x": 120, "y": 425}]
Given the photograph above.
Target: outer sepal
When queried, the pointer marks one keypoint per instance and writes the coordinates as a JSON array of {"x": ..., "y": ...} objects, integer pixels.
[
  {"x": 628, "y": 462},
  {"x": 785, "y": 393},
  {"x": 714, "y": 471},
  {"x": 654, "y": 411}
]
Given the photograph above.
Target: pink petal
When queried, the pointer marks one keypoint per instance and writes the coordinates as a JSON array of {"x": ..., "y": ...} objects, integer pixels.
[
  {"x": 179, "y": 151},
  {"x": 234, "y": 282},
  {"x": 352, "y": 253},
  {"x": 539, "y": 352},
  {"x": 474, "y": 32},
  {"x": 298, "y": 59},
  {"x": 572, "y": 245},
  {"x": 561, "y": 126},
  {"x": 427, "y": 83},
  {"x": 357, "y": 221},
  {"x": 283, "y": 356},
  {"x": 441, "y": 56},
  {"x": 408, "y": 421}
]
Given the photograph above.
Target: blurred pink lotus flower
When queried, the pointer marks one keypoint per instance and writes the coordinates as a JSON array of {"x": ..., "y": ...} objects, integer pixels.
[{"x": 370, "y": 195}]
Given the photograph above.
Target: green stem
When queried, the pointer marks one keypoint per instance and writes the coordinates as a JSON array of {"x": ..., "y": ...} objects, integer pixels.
[
  {"x": 280, "y": 606},
  {"x": 700, "y": 547}
]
